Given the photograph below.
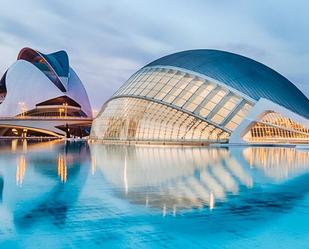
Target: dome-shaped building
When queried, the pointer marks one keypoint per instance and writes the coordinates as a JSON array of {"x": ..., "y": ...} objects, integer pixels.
[
  {"x": 40, "y": 94},
  {"x": 205, "y": 96}
]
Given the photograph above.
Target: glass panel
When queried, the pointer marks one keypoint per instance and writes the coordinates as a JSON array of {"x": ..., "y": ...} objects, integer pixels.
[
  {"x": 226, "y": 109},
  {"x": 238, "y": 117},
  {"x": 212, "y": 102},
  {"x": 189, "y": 92},
  {"x": 279, "y": 120},
  {"x": 261, "y": 132},
  {"x": 175, "y": 91},
  {"x": 231, "y": 125},
  {"x": 138, "y": 119}
]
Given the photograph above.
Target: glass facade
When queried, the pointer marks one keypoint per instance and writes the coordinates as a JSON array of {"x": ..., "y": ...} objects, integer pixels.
[
  {"x": 170, "y": 105},
  {"x": 274, "y": 127},
  {"x": 243, "y": 74},
  {"x": 133, "y": 119},
  {"x": 189, "y": 92},
  {"x": 203, "y": 95}
]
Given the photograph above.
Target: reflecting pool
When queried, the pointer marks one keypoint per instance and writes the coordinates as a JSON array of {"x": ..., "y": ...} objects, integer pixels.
[{"x": 59, "y": 194}]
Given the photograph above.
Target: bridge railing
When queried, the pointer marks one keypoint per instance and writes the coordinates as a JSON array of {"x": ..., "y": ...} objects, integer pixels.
[{"x": 43, "y": 118}]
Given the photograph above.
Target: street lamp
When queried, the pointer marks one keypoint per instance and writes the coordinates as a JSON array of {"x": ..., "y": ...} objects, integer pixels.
[
  {"x": 65, "y": 108},
  {"x": 61, "y": 110},
  {"x": 23, "y": 108}
]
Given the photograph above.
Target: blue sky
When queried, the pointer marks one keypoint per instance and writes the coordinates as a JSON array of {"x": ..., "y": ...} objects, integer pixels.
[{"x": 107, "y": 41}]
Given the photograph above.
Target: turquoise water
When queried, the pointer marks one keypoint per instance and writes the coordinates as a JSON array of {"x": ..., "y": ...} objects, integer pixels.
[{"x": 75, "y": 195}]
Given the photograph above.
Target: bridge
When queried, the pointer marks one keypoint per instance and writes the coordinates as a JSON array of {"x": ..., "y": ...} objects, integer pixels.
[{"x": 45, "y": 125}]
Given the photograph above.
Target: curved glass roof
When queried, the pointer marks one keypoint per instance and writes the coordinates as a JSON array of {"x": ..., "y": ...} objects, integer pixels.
[{"x": 241, "y": 73}]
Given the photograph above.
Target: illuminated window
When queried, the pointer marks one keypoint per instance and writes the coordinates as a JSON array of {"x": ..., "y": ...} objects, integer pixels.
[
  {"x": 202, "y": 97},
  {"x": 145, "y": 120},
  {"x": 274, "y": 127}
]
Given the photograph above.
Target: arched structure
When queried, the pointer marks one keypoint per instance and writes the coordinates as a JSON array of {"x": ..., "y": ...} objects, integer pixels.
[
  {"x": 204, "y": 96},
  {"x": 55, "y": 66},
  {"x": 43, "y": 86}
]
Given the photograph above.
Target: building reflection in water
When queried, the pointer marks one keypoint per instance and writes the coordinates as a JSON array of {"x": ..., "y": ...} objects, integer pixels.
[
  {"x": 21, "y": 161},
  {"x": 25, "y": 145},
  {"x": 170, "y": 179},
  {"x": 42, "y": 169},
  {"x": 20, "y": 170},
  {"x": 174, "y": 178},
  {"x": 277, "y": 163},
  {"x": 14, "y": 145},
  {"x": 93, "y": 165},
  {"x": 62, "y": 168}
]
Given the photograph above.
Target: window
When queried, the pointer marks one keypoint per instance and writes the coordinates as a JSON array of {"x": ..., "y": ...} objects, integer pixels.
[{"x": 146, "y": 120}]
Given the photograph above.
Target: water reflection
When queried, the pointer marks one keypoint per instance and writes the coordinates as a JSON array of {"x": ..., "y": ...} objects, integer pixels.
[
  {"x": 173, "y": 178},
  {"x": 168, "y": 178},
  {"x": 53, "y": 190},
  {"x": 14, "y": 144},
  {"x": 20, "y": 170},
  {"x": 62, "y": 168},
  {"x": 76, "y": 192},
  {"x": 52, "y": 174},
  {"x": 277, "y": 163}
]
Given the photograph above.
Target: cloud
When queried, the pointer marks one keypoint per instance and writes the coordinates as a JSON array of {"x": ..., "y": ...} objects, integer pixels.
[{"x": 107, "y": 41}]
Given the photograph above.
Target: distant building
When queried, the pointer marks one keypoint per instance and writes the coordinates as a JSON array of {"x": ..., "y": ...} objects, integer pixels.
[
  {"x": 205, "y": 96},
  {"x": 41, "y": 95}
]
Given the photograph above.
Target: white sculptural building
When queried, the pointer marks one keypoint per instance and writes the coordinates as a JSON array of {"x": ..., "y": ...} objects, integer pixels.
[
  {"x": 41, "y": 95},
  {"x": 205, "y": 96}
]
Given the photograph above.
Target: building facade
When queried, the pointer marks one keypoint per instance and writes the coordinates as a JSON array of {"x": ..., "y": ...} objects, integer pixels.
[
  {"x": 40, "y": 94},
  {"x": 205, "y": 96}
]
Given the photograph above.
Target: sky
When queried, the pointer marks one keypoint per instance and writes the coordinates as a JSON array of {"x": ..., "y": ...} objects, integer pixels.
[{"x": 107, "y": 41}]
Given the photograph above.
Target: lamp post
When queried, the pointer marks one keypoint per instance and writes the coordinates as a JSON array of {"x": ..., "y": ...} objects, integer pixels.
[
  {"x": 65, "y": 109},
  {"x": 61, "y": 110},
  {"x": 23, "y": 108}
]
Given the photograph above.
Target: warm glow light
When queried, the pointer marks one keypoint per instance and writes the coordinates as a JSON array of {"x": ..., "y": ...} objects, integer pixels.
[
  {"x": 25, "y": 145},
  {"x": 14, "y": 145},
  {"x": 61, "y": 110},
  {"x": 277, "y": 162},
  {"x": 21, "y": 170},
  {"x": 274, "y": 127},
  {"x": 23, "y": 108},
  {"x": 62, "y": 168},
  {"x": 65, "y": 109}
]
